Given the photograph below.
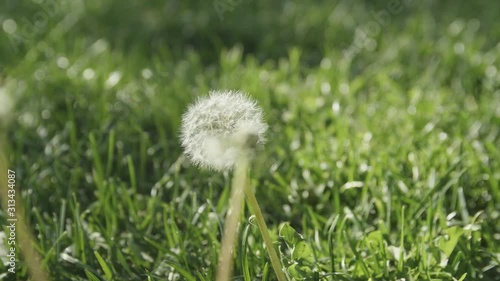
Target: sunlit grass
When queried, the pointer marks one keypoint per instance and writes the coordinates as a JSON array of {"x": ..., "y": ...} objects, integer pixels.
[{"x": 386, "y": 166}]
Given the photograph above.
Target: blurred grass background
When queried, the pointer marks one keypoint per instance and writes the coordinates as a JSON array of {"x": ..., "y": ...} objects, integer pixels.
[{"x": 92, "y": 93}]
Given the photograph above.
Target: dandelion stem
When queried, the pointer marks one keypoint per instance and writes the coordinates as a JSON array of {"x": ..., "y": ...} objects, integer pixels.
[
  {"x": 225, "y": 267},
  {"x": 265, "y": 233},
  {"x": 24, "y": 237}
]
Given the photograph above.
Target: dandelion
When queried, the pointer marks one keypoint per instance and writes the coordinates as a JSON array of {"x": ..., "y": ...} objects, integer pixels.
[
  {"x": 220, "y": 132},
  {"x": 220, "y": 128}
]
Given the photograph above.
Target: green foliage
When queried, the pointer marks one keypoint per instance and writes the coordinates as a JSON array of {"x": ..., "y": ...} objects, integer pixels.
[
  {"x": 384, "y": 163},
  {"x": 301, "y": 261}
]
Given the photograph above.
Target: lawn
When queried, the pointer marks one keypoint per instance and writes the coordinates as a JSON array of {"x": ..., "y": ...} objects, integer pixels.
[{"x": 382, "y": 159}]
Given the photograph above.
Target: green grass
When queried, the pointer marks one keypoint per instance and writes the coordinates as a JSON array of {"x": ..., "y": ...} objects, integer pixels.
[{"x": 382, "y": 166}]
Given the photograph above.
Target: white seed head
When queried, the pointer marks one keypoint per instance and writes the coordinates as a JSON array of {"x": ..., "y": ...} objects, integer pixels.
[{"x": 219, "y": 128}]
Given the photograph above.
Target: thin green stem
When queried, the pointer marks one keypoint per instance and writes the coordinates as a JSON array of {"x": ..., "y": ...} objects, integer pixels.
[
  {"x": 225, "y": 267},
  {"x": 24, "y": 238},
  {"x": 265, "y": 233}
]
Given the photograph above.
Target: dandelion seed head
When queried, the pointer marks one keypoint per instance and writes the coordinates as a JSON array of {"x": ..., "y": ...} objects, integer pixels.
[{"x": 219, "y": 128}]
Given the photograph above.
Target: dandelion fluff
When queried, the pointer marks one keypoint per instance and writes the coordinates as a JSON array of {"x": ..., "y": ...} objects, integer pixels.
[{"x": 219, "y": 128}]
